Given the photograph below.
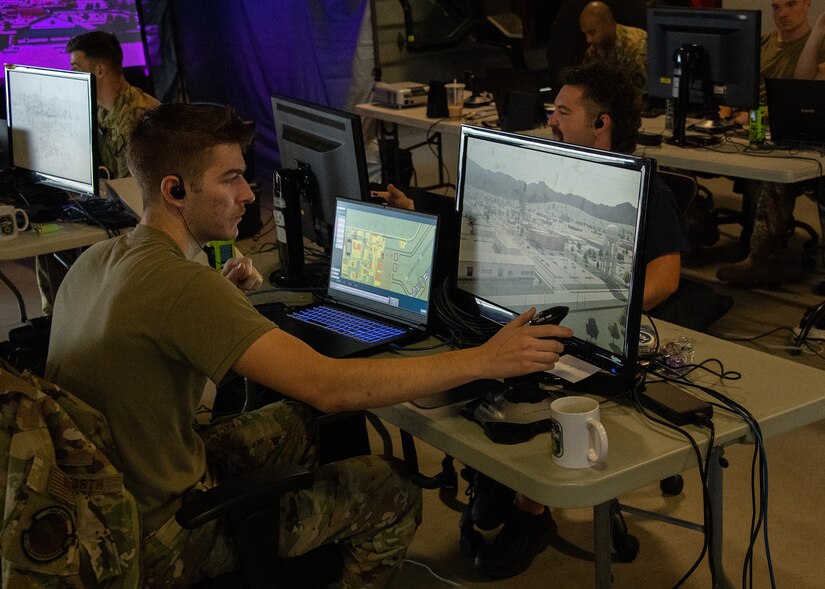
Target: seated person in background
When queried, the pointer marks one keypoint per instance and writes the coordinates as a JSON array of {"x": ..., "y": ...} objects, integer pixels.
[
  {"x": 119, "y": 104},
  {"x": 780, "y": 52},
  {"x": 609, "y": 42},
  {"x": 597, "y": 106},
  {"x": 809, "y": 66},
  {"x": 139, "y": 327}
]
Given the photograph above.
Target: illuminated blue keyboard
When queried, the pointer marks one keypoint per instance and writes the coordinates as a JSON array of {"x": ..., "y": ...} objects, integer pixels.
[{"x": 339, "y": 321}]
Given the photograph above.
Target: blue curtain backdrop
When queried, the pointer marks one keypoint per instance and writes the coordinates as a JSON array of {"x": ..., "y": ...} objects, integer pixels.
[{"x": 241, "y": 52}]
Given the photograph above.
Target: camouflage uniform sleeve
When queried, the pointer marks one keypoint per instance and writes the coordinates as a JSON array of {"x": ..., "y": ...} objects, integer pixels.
[{"x": 118, "y": 125}]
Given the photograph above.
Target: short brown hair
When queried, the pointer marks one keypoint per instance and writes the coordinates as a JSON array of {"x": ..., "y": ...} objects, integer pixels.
[
  {"x": 100, "y": 46},
  {"x": 177, "y": 138}
]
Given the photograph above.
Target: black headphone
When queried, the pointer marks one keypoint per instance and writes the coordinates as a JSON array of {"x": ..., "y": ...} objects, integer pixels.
[
  {"x": 178, "y": 191},
  {"x": 599, "y": 122}
]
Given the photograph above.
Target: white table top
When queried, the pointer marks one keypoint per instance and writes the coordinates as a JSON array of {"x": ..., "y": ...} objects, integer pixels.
[
  {"x": 731, "y": 158},
  {"x": 69, "y": 236},
  {"x": 640, "y": 453}
]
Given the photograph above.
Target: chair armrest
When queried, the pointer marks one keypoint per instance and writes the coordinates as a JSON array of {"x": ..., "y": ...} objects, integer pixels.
[{"x": 245, "y": 492}]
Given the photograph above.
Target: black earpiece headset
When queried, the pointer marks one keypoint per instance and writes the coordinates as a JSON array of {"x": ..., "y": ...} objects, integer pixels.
[
  {"x": 599, "y": 122},
  {"x": 178, "y": 191}
]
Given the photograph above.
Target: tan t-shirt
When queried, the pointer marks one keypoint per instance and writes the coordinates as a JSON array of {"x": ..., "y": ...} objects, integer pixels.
[
  {"x": 778, "y": 60},
  {"x": 137, "y": 329}
]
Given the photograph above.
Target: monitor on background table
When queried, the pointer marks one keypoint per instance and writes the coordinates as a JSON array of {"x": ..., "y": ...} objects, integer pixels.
[{"x": 718, "y": 60}]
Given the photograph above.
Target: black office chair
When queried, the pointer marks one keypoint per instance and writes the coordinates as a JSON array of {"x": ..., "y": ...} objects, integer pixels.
[
  {"x": 694, "y": 305},
  {"x": 251, "y": 505}
]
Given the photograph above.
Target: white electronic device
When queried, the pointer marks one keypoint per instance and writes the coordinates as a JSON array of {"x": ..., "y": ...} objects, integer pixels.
[{"x": 400, "y": 94}]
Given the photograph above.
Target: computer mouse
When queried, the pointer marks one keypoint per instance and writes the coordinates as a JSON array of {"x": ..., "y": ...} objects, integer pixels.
[{"x": 551, "y": 316}]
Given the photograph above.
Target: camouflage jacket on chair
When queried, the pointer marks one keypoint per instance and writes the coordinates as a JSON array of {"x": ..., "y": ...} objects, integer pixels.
[{"x": 67, "y": 519}]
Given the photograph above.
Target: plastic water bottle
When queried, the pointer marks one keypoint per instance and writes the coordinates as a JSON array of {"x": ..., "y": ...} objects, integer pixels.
[{"x": 756, "y": 124}]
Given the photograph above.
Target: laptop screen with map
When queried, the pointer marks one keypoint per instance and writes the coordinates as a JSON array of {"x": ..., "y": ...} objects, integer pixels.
[{"x": 380, "y": 272}]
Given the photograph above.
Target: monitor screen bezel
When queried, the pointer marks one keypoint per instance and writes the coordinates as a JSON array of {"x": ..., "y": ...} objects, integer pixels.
[
  {"x": 47, "y": 177},
  {"x": 318, "y": 222},
  {"x": 607, "y": 360}
]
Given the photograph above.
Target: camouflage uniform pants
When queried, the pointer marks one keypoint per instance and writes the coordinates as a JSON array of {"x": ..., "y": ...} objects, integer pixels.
[
  {"x": 367, "y": 504},
  {"x": 773, "y": 225}
]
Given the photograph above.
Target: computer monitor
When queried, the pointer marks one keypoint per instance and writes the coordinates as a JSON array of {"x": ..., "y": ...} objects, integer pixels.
[
  {"x": 704, "y": 57},
  {"x": 543, "y": 224},
  {"x": 52, "y": 125},
  {"x": 327, "y": 144}
]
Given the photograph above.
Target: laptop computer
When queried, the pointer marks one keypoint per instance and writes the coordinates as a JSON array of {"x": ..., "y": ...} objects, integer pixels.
[
  {"x": 380, "y": 282},
  {"x": 796, "y": 112}
]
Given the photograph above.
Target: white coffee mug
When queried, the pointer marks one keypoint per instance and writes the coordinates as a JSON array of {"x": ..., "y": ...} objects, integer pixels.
[
  {"x": 579, "y": 438},
  {"x": 9, "y": 229}
]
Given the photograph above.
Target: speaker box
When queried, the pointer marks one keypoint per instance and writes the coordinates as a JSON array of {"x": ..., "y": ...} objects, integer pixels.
[
  {"x": 437, "y": 101},
  {"x": 521, "y": 111}
]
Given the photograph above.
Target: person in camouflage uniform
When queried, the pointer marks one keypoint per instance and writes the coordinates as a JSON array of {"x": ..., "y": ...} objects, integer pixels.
[
  {"x": 119, "y": 104},
  {"x": 623, "y": 47},
  {"x": 157, "y": 325},
  {"x": 68, "y": 521},
  {"x": 774, "y": 222}
]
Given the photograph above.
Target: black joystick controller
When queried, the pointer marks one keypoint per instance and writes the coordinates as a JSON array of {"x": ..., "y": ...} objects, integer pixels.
[
  {"x": 525, "y": 389},
  {"x": 551, "y": 316}
]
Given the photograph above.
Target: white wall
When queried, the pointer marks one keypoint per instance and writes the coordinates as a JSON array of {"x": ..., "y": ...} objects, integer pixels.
[{"x": 817, "y": 8}]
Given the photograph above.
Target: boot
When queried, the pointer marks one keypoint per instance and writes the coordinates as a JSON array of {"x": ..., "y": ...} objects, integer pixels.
[{"x": 762, "y": 267}]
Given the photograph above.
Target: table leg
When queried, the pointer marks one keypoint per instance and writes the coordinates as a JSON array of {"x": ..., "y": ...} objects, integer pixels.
[
  {"x": 715, "y": 496},
  {"x": 21, "y": 304},
  {"x": 601, "y": 544}
]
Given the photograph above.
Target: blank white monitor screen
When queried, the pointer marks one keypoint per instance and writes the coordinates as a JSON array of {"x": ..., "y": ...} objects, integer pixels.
[{"x": 53, "y": 126}]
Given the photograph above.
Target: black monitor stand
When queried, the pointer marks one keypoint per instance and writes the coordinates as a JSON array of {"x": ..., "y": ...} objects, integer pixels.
[
  {"x": 288, "y": 187},
  {"x": 686, "y": 62}
]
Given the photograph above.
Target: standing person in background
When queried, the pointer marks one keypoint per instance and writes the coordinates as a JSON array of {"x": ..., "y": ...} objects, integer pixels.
[
  {"x": 119, "y": 104},
  {"x": 779, "y": 55}
]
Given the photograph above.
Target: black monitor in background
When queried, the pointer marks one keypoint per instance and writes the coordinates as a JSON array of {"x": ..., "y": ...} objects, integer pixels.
[
  {"x": 702, "y": 57},
  {"x": 544, "y": 224},
  {"x": 519, "y": 97},
  {"x": 52, "y": 127},
  {"x": 325, "y": 149}
]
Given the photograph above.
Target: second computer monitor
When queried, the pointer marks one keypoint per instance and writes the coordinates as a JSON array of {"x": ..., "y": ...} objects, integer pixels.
[
  {"x": 546, "y": 224},
  {"x": 52, "y": 123},
  {"x": 328, "y": 144},
  {"x": 703, "y": 57}
]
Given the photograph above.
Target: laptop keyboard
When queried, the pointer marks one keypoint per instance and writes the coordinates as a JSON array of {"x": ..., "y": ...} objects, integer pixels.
[{"x": 339, "y": 321}]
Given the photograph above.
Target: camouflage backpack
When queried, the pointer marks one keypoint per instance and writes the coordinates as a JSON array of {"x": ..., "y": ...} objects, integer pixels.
[{"x": 68, "y": 521}]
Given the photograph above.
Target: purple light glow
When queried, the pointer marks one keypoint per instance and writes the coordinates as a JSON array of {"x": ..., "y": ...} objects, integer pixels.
[{"x": 35, "y": 32}]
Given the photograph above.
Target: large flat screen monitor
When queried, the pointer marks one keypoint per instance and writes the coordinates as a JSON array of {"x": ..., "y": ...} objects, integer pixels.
[
  {"x": 543, "y": 224},
  {"x": 704, "y": 57},
  {"x": 52, "y": 125},
  {"x": 329, "y": 145}
]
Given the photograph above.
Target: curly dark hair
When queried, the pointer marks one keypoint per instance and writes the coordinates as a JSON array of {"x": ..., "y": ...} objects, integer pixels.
[{"x": 609, "y": 90}]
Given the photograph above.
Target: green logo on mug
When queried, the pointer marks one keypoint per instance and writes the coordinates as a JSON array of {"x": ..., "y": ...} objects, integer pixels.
[{"x": 556, "y": 436}]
